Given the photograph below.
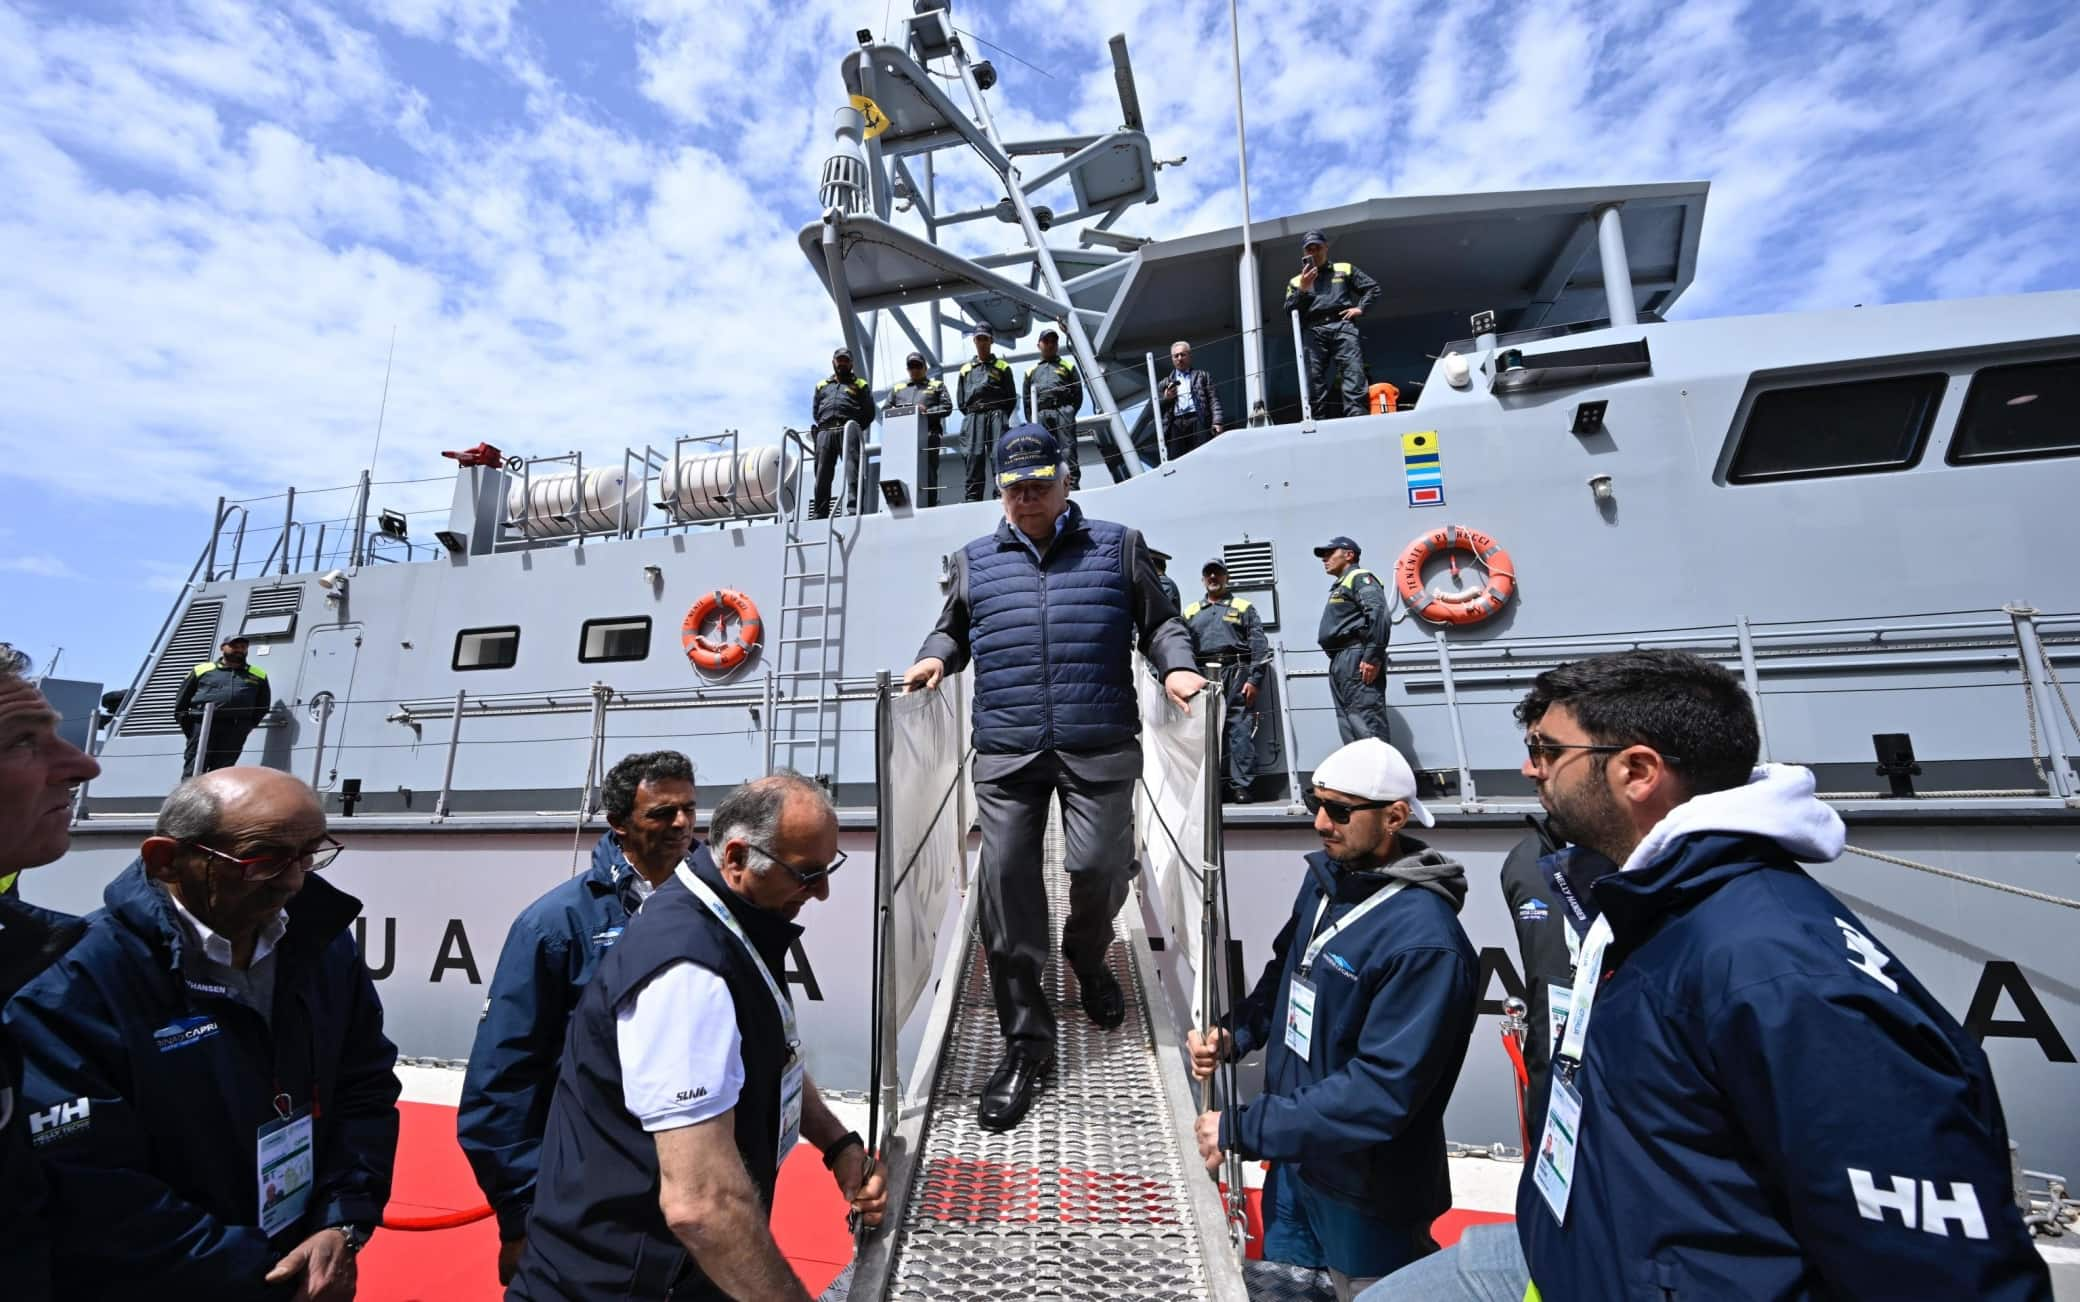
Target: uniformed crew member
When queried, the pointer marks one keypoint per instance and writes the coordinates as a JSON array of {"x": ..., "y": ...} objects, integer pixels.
[
  {"x": 242, "y": 697},
  {"x": 1364, "y": 1010},
  {"x": 1330, "y": 297},
  {"x": 1053, "y": 397},
  {"x": 1228, "y": 633},
  {"x": 987, "y": 395},
  {"x": 1190, "y": 401},
  {"x": 682, "y": 1087},
  {"x": 840, "y": 397},
  {"x": 1355, "y": 626},
  {"x": 928, "y": 398},
  {"x": 1050, "y": 607},
  {"x": 1163, "y": 579},
  {"x": 550, "y": 954}
]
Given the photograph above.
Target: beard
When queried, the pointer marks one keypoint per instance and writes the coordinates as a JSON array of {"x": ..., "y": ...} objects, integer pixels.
[{"x": 1587, "y": 814}]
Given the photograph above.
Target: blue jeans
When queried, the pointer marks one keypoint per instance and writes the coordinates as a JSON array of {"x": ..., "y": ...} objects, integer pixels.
[
  {"x": 1486, "y": 1265},
  {"x": 1305, "y": 1227}
]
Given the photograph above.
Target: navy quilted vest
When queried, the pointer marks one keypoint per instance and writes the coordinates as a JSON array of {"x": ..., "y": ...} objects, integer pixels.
[{"x": 1052, "y": 641}]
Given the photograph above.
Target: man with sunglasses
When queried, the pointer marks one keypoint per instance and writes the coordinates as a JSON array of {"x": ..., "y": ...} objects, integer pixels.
[
  {"x": 40, "y": 773},
  {"x": 1766, "y": 1103},
  {"x": 1050, "y": 607},
  {"x": 1364, "y": 1011},
  {"x": 206, "y": 1071},
  {"x": 682, "y": 1086},
  {"x": 550, "y": 954}
]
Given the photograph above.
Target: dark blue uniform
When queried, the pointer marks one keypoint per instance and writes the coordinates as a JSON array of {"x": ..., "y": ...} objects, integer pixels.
[
  {"x": 597, "y": 1230},
  {"x": 31, "y": 939},
  {"x": 1330, "y": 342},
  {"x": 931, "y": 401},
  {"x": 1771, "y": 1105},
  {"x": 988, "y": 395},
  {"x": 1356, "y": 622},
  {"x": 837, "y": 400},
  {"x": 1229, "y": 635},
  {"x": 242, "y": 698},
  {"x": 146, "y": 1089},
  {"x": 550, "y": 954},
  {"x": 1357, "y": 1125}
]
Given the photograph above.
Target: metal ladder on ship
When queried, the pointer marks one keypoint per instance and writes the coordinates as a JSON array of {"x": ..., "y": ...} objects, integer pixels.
[{"x": 809, "y": 635}]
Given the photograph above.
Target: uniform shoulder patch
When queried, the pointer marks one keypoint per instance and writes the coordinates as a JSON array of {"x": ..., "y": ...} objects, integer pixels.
[
  {"x": 1068, "y": 363},
  {"x": 256, "y": 671},
  {"x": 859, "y": 381},
  {"x": 821, "y": 383},
  {"x": 967, "y": 368},
  {"x": 1002, "y": 365},
  {"x": 1193, "y": 609},
  {"x": 205, "y": 668},
  {"x": 1241, "y": 605},
  {"x": 933, "y": 384},
  {"x": 1294, "y": 283},
  {"x": 1343, "y": 268}
]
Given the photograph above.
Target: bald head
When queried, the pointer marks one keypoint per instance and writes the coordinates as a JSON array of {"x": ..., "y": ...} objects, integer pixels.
[
  {"x": 39, "y": 773},
  {"x": 216, "y": 820}
]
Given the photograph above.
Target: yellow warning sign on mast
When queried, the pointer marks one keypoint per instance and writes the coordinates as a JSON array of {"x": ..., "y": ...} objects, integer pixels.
[{"x": 877, "y": 121}]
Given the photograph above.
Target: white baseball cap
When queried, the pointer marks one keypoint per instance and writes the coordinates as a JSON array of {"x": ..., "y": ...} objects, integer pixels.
[{"x": 1372, "y": 770}]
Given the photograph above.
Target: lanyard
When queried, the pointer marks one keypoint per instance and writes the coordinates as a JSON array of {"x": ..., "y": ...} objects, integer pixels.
[
  {"x": 1588, "y": 973},
  {"x": 706, "y": 895},
  {"x": 1377, "y": 898}
]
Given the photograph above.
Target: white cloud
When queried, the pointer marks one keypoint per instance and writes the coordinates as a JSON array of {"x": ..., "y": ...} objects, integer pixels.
[{"x": 41, "y": 565}]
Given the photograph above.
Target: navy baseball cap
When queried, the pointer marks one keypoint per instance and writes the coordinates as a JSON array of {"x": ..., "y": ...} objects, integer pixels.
[
  {"x": 1215, "y": 564},
  {"x": 1339, "y": 540},
  {"x": 1027, "y": 452},
  {"x": 1048, "y": 334},
  {"x": 914, "y": 359},
  {"x": 841, "y": 351},
  {"x": 1314, "y": 237}
]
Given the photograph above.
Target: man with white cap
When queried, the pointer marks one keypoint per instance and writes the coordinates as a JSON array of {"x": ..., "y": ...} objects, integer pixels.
[{"x": 1364, "y": 1010}]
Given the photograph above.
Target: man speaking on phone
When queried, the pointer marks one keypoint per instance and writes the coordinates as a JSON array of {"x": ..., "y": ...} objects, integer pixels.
[{"x": 1330, "y": 297}]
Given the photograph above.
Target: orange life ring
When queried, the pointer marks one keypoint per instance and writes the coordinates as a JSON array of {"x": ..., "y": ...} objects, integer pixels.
[
  {"x": 1455, "y": 607},
  {"x": 723, "y": 656}
]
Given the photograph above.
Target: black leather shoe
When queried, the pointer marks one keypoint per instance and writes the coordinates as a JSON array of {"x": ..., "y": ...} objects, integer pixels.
[
  {"x": 1009, "y": 1092},
  {"x": 1103, "y": 1001}
]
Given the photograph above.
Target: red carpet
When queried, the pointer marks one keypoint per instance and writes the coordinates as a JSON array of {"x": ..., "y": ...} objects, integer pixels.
[
  {"x": 461, "y": 1265},
  {"x": 1446, "y": 1229}
]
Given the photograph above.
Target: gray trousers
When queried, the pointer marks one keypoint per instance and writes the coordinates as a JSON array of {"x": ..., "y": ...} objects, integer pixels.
[
  {"x": 1334, "y": 351},
  {"x": 1361, "y": 708},
  {"x": 1239, "y": 729},
  {"x": 1486, "y": 1265},
  {"x": 832, "y": 443},
  {"x": 1098, "y": 837}
]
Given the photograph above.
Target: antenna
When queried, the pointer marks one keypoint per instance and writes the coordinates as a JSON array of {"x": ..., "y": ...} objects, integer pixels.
[{"x": 384, "y": 406}]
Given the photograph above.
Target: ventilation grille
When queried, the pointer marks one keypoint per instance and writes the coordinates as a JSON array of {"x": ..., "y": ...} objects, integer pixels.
[
  {"x": 1250, "y": 565},
  {"x": 286, "y": 600},
  {"x": 194, "y": 641}
]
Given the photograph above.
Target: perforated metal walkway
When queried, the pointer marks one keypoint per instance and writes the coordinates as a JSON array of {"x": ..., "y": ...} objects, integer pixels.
[{"x": 1096, "y": 1194}]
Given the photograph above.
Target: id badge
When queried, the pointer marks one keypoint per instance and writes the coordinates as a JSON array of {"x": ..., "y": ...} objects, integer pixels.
[
  {"x": 1559, "y": 999},
  {"x": 1554, "y": 1174},
  {"x": 286, "y": 1172},
  {"x": 791, "y": 1105},
  {"x": 1300, "y": 1017}
]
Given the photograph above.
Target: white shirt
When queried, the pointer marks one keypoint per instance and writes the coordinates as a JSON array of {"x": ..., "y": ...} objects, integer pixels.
[
  {"x": 682, "y": 1057},
  {"x": 253, "y": 985},
  {"x": 1184, "y": 390}
]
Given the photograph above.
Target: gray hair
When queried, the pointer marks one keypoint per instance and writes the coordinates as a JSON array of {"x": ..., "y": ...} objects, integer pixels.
[
  {"x": 752, "y": 812},
  {"x": 1185, "y": 344},
  {"x": 191, "y": 813}
]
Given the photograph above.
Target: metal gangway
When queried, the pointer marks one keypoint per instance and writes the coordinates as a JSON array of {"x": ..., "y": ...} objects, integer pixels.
[{"x": 1099, "y": 1192}]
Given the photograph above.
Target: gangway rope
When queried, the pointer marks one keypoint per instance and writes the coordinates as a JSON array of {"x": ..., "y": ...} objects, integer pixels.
[
  {"x": 1955, "y": 875},
  {"x": 443, "y": 1221}
]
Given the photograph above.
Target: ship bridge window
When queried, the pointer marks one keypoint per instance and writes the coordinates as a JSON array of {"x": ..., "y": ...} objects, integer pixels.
[
  {"x": 487, "y": 648},
  {"x": 1855, "y": 428},
  {"x": 2018, "y": 413},
  {"x": 615, "y": 639}
]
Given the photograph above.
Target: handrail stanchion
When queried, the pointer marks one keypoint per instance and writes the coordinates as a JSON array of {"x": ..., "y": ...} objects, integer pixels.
[
  {"x": 881, "y": 1062},
  {"x": 288, "y": 523},
  {"x": 322, "y": 703},
  {"x": 1300, "y": 360},
  {"x": 440, "y": 806},
  {"x": 1754, "y": 682},
  {"x": 1155, "y": 411},
  {"x": 202, "y": 731},
  {"x": 1467, "y": 794},
  {"x": 2058, "y": 772},
  {"x": 216, "y": 530},
  {"x": 600, "y": 693}
]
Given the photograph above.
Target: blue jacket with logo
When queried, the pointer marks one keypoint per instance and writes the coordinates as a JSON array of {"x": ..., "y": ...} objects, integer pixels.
[
  {"x": 1396, "y": 995},
  {"x": 146, "y": 1090},
  {"x": 1772, "y": 1106},
  {"x": 31, "y": 939},
  {"x": 550, "y": 954}
]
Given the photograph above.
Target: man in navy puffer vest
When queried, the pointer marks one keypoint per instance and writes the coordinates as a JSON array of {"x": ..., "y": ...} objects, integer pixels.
[{"x": 1050, "y": 607}]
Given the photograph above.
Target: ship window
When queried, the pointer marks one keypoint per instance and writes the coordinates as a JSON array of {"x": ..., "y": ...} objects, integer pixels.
[
  {"x": 1836, "y": 429},
  {"x": 615, "y": 639},
  {"x": 487, "y": 648},
  {"x": 2015, "y": 413}
]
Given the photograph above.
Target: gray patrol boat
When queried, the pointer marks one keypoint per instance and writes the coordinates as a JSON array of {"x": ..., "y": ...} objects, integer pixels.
[{"x": 1796, "y": 496}]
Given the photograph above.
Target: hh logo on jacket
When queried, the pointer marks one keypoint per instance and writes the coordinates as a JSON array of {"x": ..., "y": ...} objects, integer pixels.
[
  {"x": 59, "y": 1120},
  {"x": 1935, "y": 1211}
]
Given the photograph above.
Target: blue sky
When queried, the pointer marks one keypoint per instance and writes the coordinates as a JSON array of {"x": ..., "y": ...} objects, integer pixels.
[{"x": 578, "y": 218}]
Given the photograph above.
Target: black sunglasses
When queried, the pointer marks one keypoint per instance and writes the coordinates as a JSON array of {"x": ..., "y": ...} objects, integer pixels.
[
  {"x": 1340, "y": 812},
  {"x": 1542, "y": 751},
  {"x": 806, "y": 876}
]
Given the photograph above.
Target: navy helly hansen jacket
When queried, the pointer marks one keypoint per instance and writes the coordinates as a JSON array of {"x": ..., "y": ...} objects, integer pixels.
[
  {"x": 1772, "y": 1106},
  {"x": 146, "y": 1093},
  {"x": 550, "y": 954},
  {"x": 1395, "y": 1000},
  {"x": 31, "y": 939}
]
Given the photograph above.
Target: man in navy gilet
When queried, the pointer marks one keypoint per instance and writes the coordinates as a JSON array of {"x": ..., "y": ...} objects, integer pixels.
[
  {"x": 1050, "y": 607},
  {"x": 682, "y": 1087}
]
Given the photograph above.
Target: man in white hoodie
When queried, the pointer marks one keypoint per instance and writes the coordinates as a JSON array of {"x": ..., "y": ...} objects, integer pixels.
[{"x": 1750, "y": 1096}]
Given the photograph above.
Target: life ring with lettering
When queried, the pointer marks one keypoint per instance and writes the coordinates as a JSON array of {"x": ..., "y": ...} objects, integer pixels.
[
  {"x": 1468, "y": 605},
  {"x": 720, "y": 654}
]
